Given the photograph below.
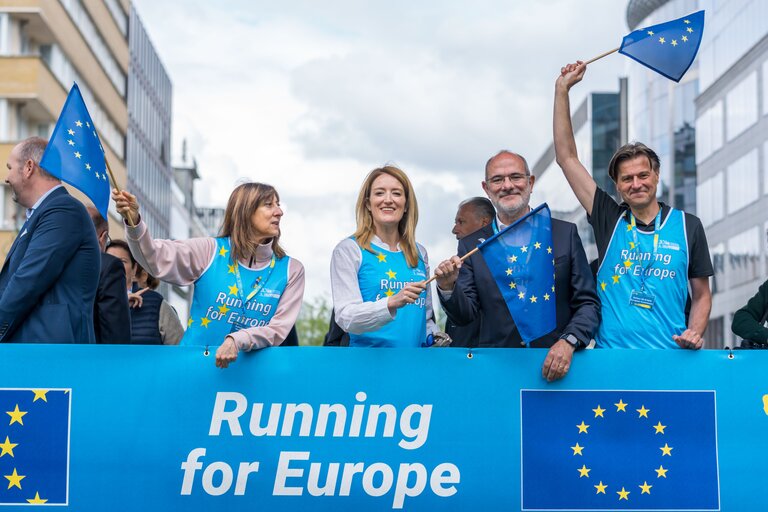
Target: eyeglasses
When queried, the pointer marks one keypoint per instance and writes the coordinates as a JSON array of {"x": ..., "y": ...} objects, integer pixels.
[{"x": 515, "y": 179}]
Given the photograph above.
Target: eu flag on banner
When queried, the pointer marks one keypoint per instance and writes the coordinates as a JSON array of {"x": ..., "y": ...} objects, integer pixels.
[
  {"x": 667, "y": 48},
  {"x": 619, "y": 450},
  {"x": 522, "y": 262},
  {"x": 34, "y": 446},
  {"x": 75, "y": 155}
]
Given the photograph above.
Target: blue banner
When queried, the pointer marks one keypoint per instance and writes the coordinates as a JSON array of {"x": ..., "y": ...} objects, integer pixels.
[{"x": 161, "y": 428}]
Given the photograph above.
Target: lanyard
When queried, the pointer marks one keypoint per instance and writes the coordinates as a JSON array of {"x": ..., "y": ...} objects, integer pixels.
[
  {"x": 656, "y": 230},
  {"x": 257, "y": 285}
]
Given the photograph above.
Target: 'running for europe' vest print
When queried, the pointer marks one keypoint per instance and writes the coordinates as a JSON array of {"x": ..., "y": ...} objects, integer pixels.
[
  {"x": 381, "y": 275},
  {"x": 221, "y": 300},
  {"x": 642, "y": 288}
]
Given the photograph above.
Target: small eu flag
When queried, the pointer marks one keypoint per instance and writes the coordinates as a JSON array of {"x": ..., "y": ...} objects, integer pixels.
[
  {"x": 522, "y": 262},
  {"x": 667, "y": 48},
  {"x": 74, "y": 153},
  {"x": 619, "y": 450},
  {"x": 34, "y": 446}
]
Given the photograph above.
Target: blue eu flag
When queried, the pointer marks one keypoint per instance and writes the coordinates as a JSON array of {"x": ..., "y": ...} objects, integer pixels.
[
  {"x": 75, "y": 155},
  {"x": 34, "y": 446},
  {"x": 619, "y": 450},
  {"x": 667, "y": 48},
  {"x": 522, "y": 262}
]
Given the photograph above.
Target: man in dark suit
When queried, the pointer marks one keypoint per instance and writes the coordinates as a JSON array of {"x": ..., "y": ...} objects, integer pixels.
[
  {"x": 111, "y": 317},
  {"x": 473, "y": 214},
  {"x": 49, "y": 278},
  {"x": 468, "y": 289}
]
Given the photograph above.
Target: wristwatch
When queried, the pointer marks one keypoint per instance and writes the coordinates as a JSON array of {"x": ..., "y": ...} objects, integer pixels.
[{"x": 574, "y": 341}]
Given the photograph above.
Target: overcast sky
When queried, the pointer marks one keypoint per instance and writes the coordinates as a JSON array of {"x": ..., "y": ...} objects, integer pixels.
[{"x": 310, "y": 96}]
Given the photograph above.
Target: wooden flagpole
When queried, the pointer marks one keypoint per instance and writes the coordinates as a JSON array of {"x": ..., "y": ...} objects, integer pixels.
[
  {"x": 470, "y": 253},
  {"x": 605, "y": 54}
]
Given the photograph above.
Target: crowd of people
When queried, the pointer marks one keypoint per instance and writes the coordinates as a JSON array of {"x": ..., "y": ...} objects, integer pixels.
[{"x": 648, "y": 288}]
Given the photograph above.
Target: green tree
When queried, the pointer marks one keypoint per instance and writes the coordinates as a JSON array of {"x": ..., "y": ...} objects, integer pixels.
[{"x": 312, "y": 324}]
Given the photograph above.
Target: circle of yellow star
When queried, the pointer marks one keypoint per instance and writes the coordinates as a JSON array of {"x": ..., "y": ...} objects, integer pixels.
[
  {"x": 223, "y": 309},
  {"x": 232, "y": 289},
  {"x": 549, "y": 250},
  {"x": 546, "y": 296},
  {"x": 14, "y": 480},
  {"x": 512, "y": 259},
  {"x": 583, "y": 428},
  {"x": 40, "y": 395},
  {"x": 601, "y": 488},
  {"x": 189, "y": 322},
  {"x": 204, "y": 322},
  {"x": 659, "y": 428},
  {"x": 512, "y": 285},
  {"x": 665, "y": 450},
  {"x": 661, "y": 472},
  {"x": 603, "y": 284},
  {"x": 577, "y": 449},
  {"x": 509, "y": 271},
  {"x": 382, "y": 257},
  {"x": 389, "y": 293},
  {"x": 533, "y": 299},
  {"x": 643, "y": 412},
  {"x": 391, "y": 274},
  {"x": 521, "y": 295},
  {"x": 583, "y": 471},
  {"x": 223, "y": 252},
  {"x": 623, "y": 494},
  {"x": 621, "y": 406},
  {"x": 599, "y": 411},
  {"x": 16, "y": 415},
  {"x": 646, "y": 488},
  {"x": 628, "y": 263},
  {"x": 524, "y": 248},
  {"x": 230, "y": 268},
  {"x": 7, "y": 447},
  {"x": 37, "y": 499},
  {"x": 615, "y": 279},
  {"x": 537, "y": 245}
]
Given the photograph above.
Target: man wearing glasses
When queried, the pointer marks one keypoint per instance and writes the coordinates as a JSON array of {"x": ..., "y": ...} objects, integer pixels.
[{"x": 467, "y": 289}]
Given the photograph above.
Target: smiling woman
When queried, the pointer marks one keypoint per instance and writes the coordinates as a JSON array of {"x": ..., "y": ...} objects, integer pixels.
[
  {"x": 248, "y": 292},
  {"x": 378, "y": 274}
]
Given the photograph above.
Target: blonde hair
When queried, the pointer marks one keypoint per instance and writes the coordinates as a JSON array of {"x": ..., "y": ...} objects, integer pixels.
[
  {"x": 407, "y": 225},
  {"x": 237, "y": 223}
]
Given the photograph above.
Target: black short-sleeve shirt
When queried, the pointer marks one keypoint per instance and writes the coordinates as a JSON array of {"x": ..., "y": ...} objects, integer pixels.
[{"x": 606, "y": 212}]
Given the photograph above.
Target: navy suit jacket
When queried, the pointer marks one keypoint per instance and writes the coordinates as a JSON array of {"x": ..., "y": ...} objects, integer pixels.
[
  {"x": 49, "y": 278},
  {"x": 577, "y": 305},
  {"x": 111, "y": 316}
]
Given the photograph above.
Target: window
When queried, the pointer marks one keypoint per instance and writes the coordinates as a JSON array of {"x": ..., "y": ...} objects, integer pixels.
[
  {"x": 709, "y": 194},
  {"x": 742, "y": 183},
  {"x": 709, "y": 132},
  {"x": 741, "y": 105},
  {"x": 744, "y": 257}
]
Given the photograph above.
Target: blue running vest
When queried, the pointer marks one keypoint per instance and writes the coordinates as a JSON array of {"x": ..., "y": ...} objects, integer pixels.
[
  {"x": 218, "y": 302},
  {"x": 382, "y": 275},
  {"x": 632, "y": 326}
]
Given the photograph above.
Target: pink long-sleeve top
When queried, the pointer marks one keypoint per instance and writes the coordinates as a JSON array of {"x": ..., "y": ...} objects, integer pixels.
[{"x": 182, "y": 262}]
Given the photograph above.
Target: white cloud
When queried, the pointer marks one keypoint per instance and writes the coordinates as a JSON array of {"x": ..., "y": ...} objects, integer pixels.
[{"x": 310, "y": 96}]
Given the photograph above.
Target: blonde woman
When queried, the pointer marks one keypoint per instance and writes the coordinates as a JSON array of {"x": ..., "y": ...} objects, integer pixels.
[
  {"x": 248, "y": 292},
  {"x": 378, "y": 274}
]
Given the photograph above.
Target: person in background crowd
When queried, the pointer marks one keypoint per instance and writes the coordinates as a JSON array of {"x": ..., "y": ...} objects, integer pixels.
[
  {"x": 154, "y": 322},
  {"x": 248, "y": 292},
  {"x": 49, "y": 280},
  {"x": 378, "y": 274},
  {"x": 473, "y": 214},
  {"x": 111, "y": 318}
]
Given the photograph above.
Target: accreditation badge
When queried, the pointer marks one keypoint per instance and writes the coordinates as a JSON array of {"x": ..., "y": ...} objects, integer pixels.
[{"x": 642, "y": 299}]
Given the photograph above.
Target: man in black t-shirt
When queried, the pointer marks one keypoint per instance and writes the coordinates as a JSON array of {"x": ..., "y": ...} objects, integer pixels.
[{"x": 649, "y": 254}]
